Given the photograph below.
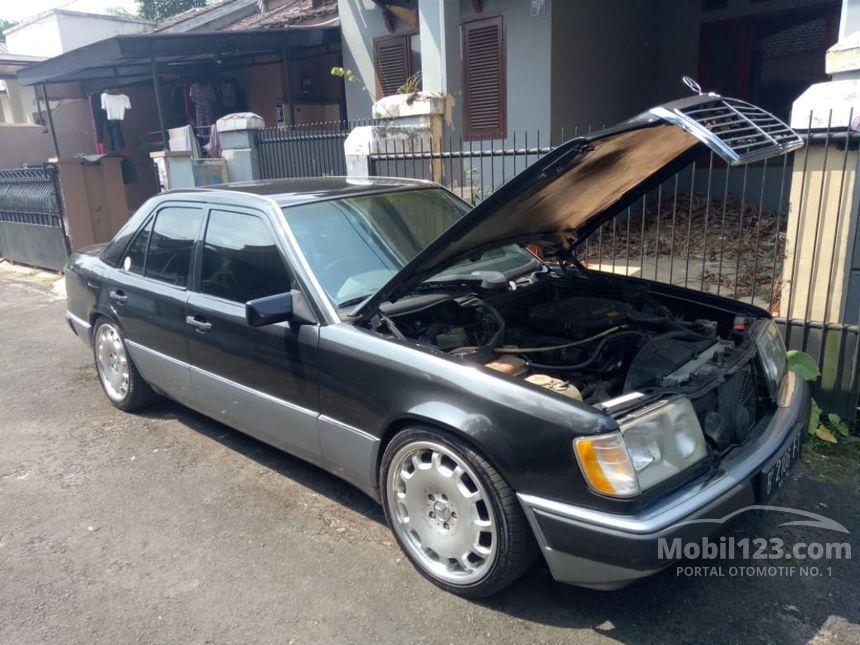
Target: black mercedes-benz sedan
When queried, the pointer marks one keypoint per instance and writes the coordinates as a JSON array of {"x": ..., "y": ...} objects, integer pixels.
[{"x": 498, "y": 405}]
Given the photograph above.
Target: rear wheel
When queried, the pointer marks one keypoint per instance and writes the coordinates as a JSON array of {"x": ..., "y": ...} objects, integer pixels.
[
  {"x": 118, "y": 376},
  {"x": 453, "y": 514}
]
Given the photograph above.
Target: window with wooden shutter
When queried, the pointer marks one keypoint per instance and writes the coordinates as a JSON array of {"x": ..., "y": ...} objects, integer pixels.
[
  {"x": 392, "y": 60},
  {"x": 484, "y": 78}
]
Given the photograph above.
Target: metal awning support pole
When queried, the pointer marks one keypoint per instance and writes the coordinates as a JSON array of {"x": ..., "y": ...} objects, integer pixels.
[
  {"x": 39, "y": 107},
  {"x": 287, "y": 93},
  {"x": 51, "y": 120},
  {"x": 154, "y": 70}
]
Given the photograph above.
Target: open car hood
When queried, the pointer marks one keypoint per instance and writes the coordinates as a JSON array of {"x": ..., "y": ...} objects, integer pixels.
[{"x": 560, "y": 199}]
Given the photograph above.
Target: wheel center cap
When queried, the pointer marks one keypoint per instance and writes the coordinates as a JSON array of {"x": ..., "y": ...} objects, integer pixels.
[{"x": 442, "y": 510}]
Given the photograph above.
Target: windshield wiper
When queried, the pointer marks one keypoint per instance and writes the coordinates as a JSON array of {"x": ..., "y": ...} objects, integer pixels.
[
  {"x": 487, "y": 280},
  {"x": 353, "y": 301}
]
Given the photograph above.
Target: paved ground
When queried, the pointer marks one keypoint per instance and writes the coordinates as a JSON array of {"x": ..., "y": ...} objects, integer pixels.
[{"x": 170, "y": 527}]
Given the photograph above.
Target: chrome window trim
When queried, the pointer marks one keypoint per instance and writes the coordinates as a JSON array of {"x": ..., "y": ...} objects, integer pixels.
[{"x": 150, "y": 279}]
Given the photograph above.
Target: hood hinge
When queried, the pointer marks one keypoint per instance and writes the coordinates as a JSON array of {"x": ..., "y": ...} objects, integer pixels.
[{"x": 379, "y": 320}]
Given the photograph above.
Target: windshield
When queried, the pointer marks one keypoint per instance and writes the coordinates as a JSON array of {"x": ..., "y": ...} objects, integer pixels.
[{"x": 356, "y": 244}]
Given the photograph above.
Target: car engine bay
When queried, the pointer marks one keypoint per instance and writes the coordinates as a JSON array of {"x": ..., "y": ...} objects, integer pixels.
[{"x": 594, "y": 343}]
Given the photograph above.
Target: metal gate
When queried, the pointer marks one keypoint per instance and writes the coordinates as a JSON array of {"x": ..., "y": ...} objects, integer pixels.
[{"x": 32, "y": 228}]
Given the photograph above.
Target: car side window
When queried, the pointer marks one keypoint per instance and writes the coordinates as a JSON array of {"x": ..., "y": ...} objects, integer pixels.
[
  {"x": 240, "y": 259},
  {"x": 136, "y": 256},
  {"x": 114, "y": 252},
  {"x": 171, "y": 244}
]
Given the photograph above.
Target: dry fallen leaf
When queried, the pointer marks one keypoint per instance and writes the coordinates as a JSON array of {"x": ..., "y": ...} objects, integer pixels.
[{"x": 825, "y": 435}]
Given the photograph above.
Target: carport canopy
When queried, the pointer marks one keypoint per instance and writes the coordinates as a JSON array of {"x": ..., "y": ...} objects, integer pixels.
[{"x": 129, "y": 59}]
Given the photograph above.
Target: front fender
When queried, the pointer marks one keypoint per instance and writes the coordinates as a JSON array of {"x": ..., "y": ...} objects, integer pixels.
[{"x": 373, "y": 383}]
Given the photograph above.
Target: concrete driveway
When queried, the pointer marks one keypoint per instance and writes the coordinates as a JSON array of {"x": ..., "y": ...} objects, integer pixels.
[{"x": 166, "y": 526}]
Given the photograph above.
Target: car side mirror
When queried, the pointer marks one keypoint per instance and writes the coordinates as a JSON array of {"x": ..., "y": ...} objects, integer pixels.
[{"x": 290, "y": 306}]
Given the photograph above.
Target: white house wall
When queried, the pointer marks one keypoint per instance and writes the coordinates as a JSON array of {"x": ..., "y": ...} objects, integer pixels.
[
  {"x": 40, "y": 37},
  {"x": 60, "y": 31},
  {"x": 77, "y": 30}
]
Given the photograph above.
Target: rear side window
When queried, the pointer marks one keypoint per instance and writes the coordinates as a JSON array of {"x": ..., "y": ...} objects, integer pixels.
[
  {"x": 113, "y": 252},
  {"x": 172, "y": 243},
  {"x": 240, "y": 260},
  {"x": 136, "y": 255}
]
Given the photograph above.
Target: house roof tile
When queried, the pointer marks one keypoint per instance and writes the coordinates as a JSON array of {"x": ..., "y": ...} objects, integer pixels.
[
  {"x": 182, "y": 16},
  {"x": 293, "y": 13}
]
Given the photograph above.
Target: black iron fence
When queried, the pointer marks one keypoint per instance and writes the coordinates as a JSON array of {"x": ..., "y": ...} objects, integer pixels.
[
  {"x": 471, "y": 169},
  {"x": 702, "y": 229},
  {"x": 308, "y": 150},
  {"x": 773, "y": 233},
  {"x": 32, "y": 229}
]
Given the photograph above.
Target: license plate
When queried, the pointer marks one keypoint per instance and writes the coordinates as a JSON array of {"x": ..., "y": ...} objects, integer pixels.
[{"x": 777, "y": 471}]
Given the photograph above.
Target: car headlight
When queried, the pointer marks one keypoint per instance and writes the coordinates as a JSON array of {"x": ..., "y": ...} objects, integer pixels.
[
  {"x": 771, "y": 354},
  {"x": 654, "y": 444}
]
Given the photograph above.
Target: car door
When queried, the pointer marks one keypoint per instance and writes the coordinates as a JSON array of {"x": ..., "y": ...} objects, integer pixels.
[
  {"x": 147, "y": 294},
  {"x": 260, "y": 380}
]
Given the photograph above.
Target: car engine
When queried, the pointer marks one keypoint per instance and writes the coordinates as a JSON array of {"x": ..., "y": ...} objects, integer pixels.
[{"x": 594, "y": 348}]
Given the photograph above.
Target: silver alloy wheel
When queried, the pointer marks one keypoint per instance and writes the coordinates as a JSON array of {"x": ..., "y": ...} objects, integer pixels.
[
  {"x": 112, "y": 362},
  {"x": 441, "y": 512}
]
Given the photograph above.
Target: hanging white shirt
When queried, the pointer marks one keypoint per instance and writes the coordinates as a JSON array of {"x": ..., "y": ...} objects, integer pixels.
[{"x": 115, "y": 105}]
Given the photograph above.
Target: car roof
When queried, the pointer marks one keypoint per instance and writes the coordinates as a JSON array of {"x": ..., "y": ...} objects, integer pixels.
[{"x": 289, "y": 192}]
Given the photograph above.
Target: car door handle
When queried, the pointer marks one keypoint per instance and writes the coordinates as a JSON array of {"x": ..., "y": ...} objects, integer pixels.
[
  {"x": 198, "y": 323},
  {"x": 118, "y": 295}
]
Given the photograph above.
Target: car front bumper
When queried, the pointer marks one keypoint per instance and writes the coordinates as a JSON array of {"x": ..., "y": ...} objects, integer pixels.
[{"x": 603, "y": 550}]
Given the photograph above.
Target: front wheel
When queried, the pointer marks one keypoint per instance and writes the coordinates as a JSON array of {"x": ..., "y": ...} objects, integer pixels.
[
  {"x": 453, "y": 514},
  {"x": 118, "y": 376}
]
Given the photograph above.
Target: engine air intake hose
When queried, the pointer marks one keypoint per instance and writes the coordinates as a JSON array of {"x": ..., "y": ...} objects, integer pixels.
[{"x": 587, "y": 361}]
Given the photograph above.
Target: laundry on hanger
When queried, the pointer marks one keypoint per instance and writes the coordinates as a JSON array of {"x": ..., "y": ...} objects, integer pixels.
[
  {"x": 99, "y": 119},
  {"x": 115, "y": 105},
  {"x": 204, "y": 98}
]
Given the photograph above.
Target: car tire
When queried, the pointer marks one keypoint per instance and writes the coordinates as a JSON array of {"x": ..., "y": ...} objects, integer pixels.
[
  {"x": 119, "y": 378},
  {"x": 453, "y": 514}
]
